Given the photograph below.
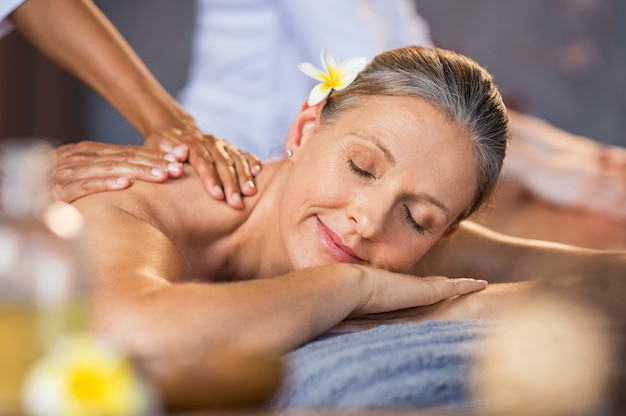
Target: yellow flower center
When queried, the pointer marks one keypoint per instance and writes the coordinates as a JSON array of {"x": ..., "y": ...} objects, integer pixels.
[
  {"x": 333, "y": 78},
  {"x": 86, "y": 384}
]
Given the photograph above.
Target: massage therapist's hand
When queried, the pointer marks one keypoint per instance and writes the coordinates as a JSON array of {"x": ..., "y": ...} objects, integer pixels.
[
  {"x": 390, "y": 291},
  {"x": 88, "y": 167},
  {"x": 226, "y": 172}
]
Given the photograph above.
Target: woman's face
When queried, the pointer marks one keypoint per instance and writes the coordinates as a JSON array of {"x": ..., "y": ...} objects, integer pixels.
[{"x": 379, "y": 186}]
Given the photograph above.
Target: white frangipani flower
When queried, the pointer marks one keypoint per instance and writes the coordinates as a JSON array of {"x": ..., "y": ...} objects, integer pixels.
[
  {"x": 82, "y": 377},
  {"x": 335, "y": 76}
]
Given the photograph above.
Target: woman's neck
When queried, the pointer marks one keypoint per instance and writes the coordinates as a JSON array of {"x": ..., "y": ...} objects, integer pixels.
[{"x": 258, "y": 247}]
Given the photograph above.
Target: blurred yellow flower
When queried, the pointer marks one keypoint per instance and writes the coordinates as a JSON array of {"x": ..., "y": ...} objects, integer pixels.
[
  {"x": 335, "y": 76},
  {"x": 81, "y": 377}
]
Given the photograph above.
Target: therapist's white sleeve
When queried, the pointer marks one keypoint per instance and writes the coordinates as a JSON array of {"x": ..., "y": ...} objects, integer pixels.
[{"x": 6, "y": 8}]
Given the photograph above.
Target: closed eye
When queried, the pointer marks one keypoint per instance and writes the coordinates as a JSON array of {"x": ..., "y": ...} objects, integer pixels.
[
  {"x": 409, "y": 217},
  {"x": 359, "y": 171}
]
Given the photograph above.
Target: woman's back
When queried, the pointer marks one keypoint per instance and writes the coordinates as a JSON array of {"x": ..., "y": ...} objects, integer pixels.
[{"x": 173, "y": 227}]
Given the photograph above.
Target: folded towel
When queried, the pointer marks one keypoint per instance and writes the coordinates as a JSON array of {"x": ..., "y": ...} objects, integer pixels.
[{"x": 401, "y": 365}]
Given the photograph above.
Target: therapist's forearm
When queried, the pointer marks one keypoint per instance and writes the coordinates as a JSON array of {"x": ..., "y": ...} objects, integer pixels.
[{"x": 77, "y": 36}]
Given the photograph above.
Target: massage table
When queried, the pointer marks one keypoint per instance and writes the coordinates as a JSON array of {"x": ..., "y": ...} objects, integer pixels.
[{"x": 395, "y": 367}]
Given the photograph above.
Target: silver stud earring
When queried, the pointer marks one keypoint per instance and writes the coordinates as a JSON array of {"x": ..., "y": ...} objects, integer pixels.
[{"x": 289, "y": 153}]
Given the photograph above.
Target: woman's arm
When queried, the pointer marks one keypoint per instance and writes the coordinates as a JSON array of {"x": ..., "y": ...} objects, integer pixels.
[
  {"x": 78, "y": 37},
  {"x": 477, "y": 251},
  {"x": 145, "y": 297}
]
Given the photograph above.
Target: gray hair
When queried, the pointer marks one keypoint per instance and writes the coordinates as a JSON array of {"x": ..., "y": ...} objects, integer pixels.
[{"x": 457, "y": 86}]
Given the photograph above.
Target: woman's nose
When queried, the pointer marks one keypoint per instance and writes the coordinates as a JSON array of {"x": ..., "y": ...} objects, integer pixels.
[{"x": 370, "y": 218}]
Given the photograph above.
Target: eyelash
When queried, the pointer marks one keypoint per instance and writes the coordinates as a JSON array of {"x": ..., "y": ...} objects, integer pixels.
[
  {"x": 356, "y": 169},
  {"x": 412, "y": 221},
  {"x": 361, "y": 172}
]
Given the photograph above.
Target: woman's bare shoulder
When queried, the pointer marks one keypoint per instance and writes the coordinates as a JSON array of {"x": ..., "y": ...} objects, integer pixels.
[
  {"x": 177, "y": 207},
  {"x": 134, "y": 226}
]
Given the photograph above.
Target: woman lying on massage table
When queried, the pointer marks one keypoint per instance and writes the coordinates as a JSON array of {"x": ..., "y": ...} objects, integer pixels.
[{"x": 377, "y": 179}]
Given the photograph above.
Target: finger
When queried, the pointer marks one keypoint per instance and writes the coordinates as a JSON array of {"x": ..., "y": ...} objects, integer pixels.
[
  {"x": 444, "y": 288},
  {"x": 242, "y": 168},
  {"x": 204, "y": 165},
  {"x": 165, "y": 140},
  {"x": 181, "y": 152},
  {"x": 94, "y": 152},
  {"x": 227, "y": 174},
  {"x": 173, "y": 145},
  {"x": 156, "y": 172},
  {"x": 78, "y": 189},
  {"x": 71, "y": 183},
  {"x": 253, "y": 162},
  {"x": 94, "y": 148},
  {"x": 87, "y": 147},
  {"x": 217, "y": 170}
]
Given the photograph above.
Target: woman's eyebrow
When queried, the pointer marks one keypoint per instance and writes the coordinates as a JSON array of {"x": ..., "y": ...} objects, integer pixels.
[
  {"x": 376, "y": 142},
  {"x": 434, "y": 201}
]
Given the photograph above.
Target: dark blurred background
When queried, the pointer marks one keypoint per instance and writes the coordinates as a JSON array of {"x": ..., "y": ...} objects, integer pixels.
[{"x": 563, "y": 60}]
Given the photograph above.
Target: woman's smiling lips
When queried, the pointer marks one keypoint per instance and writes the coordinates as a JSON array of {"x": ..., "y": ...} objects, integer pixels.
[{"x": 333, "y": 245}]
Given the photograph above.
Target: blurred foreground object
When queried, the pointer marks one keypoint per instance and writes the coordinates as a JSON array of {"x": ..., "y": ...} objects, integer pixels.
[
  {"x": 80, "y": 376},
  {"x": 49, "y": 363},
  {"x": 222, "y": 380},
  {"x": 41, "y": 293},
  {"x": 549, "y": 357}
]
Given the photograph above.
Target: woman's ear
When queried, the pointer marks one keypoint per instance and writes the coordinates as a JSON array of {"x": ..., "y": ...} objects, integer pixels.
[
  {"x": 451, "y": 230},
  {"x": 301, "y": 128}
]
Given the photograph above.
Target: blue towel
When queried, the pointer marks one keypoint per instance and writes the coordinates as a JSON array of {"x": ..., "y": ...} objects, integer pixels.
[{"x": 402, "y": 365}]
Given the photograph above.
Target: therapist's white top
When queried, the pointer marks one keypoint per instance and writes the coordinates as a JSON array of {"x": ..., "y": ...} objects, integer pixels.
[
  {"x": 244, "y": 85},
  {"x": 6, "y": 8}
]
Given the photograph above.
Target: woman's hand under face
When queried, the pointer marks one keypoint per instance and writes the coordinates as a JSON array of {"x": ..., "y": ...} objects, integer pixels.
[
  {"x": 87, "y": 167},
  {"x": 393, "y": 291}
]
